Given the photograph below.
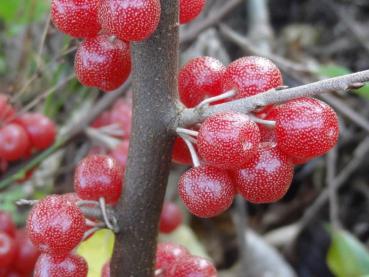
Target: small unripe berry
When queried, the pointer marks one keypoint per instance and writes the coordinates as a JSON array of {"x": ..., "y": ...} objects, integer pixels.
[
  {"x": 167, "y": 256},
  {"x": 190, "y": 9},
  {"x": 206, "y": 191},
  {"x": 71, "y": 266},
  {"x": 55, "y": 225},
  {"x": 103, "y": 62},
  {"x": 199, "y": 78},
  {"x": 171, "y": 217},
  {"x": 228, "y": 140},
  {"x": 195, "y": 266},
  {"x": 305, "y": 128},
  {"x": 77, "y": 18},
  {"x": 130, "y": 20},
  {"x": 40, "y": 129},
  {"x": 99, "y": 176},
  {"x": 7, "y": 250},
  {"x": 15, "y": 142},
  {"x": 267, "y": 179},
  {"x": 252, "y": 75}
]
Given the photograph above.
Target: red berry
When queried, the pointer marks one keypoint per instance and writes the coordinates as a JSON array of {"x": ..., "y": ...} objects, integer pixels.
[
  {"x": 105, "y": 272},
  {"x": 99, "y": 176},
  {"x": 267, "y": 179},
  {"x": 252, "y": 75},
  {"x": 77, "y": 18},
  {"x": 199, "y": 78},
  {"x": 305, "y": 128},
  {"x": 103, "y": 120},
  {"x": 190, "y": 9},
  {"x": 26, "y": 254},
  {"x": 15, "y": 274},
  {"x": 167, "y": 256},
  {"x": 195, "y": 266},
  {"x": 40, "y": 129},
  {"x": 6, "y": 224},
  {"x": 103, "y": 62},
  {"x": 71, "y": 266},
  {"x": 14, "y": 142},
  {"x": 3, "y": 167},
  {"x": 7, "y": 249},
  {"x": 228, "y": 140},
  {"x": 206, "y": 191},
  {"x": 180, "y": 153},
  {"x": 130, "y": 20},
  {"x": 55, "y": 225},
  {"x": 6, "y": 110},
  {"x": 120, "y": 154},
  {"x": 171, "y": 217}
]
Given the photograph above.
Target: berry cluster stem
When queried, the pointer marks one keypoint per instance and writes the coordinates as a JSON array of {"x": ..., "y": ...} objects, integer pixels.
[{"x": 153, "y": 133}]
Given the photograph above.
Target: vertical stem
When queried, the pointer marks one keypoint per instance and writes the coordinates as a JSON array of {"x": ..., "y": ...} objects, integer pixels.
[{"x": 155, "y": 63}]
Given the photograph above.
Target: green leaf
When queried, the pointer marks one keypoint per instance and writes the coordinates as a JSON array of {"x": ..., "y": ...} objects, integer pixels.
[
  {"x": 332, "y": 70},
  {"x": 347, "y": 256},
  {"x": 97, "y": 250}
]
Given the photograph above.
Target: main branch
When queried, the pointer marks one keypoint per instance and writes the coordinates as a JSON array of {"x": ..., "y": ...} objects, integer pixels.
[
  {"x": 155, "y": 64},
  {"x": 245, "y": 105}
]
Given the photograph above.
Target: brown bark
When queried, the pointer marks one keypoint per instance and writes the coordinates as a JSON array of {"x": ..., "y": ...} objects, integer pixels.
[{"x": 155, "y": 63}]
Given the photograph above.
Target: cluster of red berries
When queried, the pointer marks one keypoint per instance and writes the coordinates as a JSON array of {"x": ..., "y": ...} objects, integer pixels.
[
  {"x": 56, "y": 224},
  {"x": 237, "y": 154},
  {"x": 21, "y": 135},
  {"x": 107, "y": 27},
  {"x": 173, "y": 260},
  {"x": 18, "y": 256}
]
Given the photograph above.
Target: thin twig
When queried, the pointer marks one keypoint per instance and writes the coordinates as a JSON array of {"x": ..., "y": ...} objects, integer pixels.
[
  {"x": 189, "y": 132},
  {"x": 245, "y": 105},
  {"x": 333, "y": 198},
  {"x": 191, "y": 148}
]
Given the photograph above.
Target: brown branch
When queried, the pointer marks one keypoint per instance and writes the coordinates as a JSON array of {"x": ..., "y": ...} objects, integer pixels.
[
  {"x": 154, "y": 114},
  {"x": 245, "y": 105}
]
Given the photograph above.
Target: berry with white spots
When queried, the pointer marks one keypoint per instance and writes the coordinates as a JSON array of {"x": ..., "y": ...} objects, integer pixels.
[
  {"x": 200, "y": 78},
  {"x": 195, "y": 266},
  {"x": 77, "y": 18},
  {"x": 252, "y": 75},
  {"x": 305, "y": 128},
  {"x": 267, "y": 179},
  {"x": 206, "y": 191},
  {"x": 103, "y": 62},
  {"x": 228, "y": 140},
  {"x": 130, "y": 20},
  {"x": 55, "y": 225},
  {"x": 99, "y": 176}
]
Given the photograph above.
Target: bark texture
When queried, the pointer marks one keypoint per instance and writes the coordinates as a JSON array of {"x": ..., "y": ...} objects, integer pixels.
[{"x": 155, "y": 63}]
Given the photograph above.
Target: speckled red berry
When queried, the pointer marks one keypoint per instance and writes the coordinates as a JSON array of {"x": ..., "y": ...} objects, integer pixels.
[
  {"x": 206, "y": 191},
  {"x": 167, "y": 256},
  {"x": 103, "y": 62},
  {"x": 55, "y": 226},
  {"x": 180, "y": 153},
  {"x": 6, "y": 224},
  {"x": 14, "y": 142},
  {"x": 199, "y": 78},
  {"x": 195, "y": 266},
  {"x": 252, "y": 75},
  {"x": 130, "y": 20},
  {"x": 190, "y": 9},
  {"x": 26, "y": 254},
  {"x": 71, "y": 266},
  {"x": 120, "y": 154},
  {"x": 305, "y": 128},
  {"x": 7, "y": 249},
  {"x": 171, "y": 217},
  {"x": 99, "y": 176},
  {"x": 228, "y": 140},
  {"x": 267, "y": 179},
  {"x": 77, "y": 18},
  {"x": 40, "y": 129}
]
